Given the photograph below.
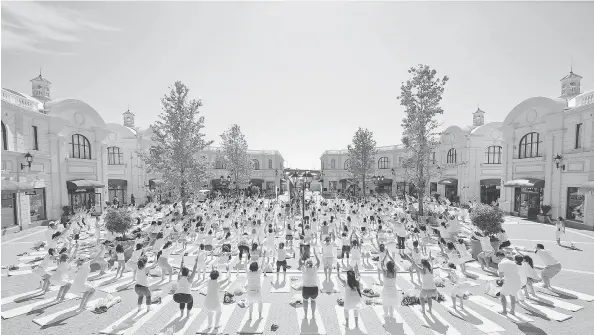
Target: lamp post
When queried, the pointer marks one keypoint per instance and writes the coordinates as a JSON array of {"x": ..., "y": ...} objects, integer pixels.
[{"x": 305, "y": 179}]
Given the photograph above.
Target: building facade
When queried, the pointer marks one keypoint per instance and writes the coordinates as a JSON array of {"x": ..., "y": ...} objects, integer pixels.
[
  {"x": 548, "y": 155},
  {"x": 266, "y": 175}
]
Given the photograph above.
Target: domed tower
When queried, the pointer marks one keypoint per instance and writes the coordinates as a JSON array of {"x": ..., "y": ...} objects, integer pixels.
[
  {"x": 570, "y": 85},
  {"x": 478, "y": 118},
  {"x": 41, "y": 88},
  {"x": 128, "y": 119}
]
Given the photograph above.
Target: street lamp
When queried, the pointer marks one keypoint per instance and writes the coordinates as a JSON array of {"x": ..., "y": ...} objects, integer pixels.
[
  {"x": 305, "y": 179},
  {"x": 28, "y": 159}
]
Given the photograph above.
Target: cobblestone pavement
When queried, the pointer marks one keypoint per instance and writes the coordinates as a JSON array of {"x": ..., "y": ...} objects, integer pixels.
[{"x": 521, "y": 233}]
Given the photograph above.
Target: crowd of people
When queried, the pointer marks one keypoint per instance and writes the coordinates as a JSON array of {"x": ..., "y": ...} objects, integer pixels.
[{"x": 255, "y": 236}]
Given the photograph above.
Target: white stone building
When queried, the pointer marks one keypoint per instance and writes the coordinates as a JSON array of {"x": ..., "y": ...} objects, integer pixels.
[{"x": 548, "y": 155}]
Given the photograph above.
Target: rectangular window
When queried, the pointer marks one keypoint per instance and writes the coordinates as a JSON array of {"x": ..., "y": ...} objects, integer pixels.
[
  {"x": 37, "y": 205},
  {"x": 35, "y": 140},
  {"x": 578, "y": 136},
  {"x": 433, "y": 158},
  {"x": 575, "y": 205},
  {"x": 432, "y": 188}
]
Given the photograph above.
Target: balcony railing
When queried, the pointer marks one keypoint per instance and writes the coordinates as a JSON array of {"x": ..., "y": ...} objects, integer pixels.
[{"x": 19, "y": 101}]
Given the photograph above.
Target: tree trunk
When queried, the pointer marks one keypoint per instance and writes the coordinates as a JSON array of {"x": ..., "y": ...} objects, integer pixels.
[
  {"x": 420, "y": 194},
  {"x": 363, "y": 186}
]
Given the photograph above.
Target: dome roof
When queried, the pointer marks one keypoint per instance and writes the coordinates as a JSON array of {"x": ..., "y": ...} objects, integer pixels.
[
  {"x": 121, "y": 131},
  {"x": 76, "y": 111}
]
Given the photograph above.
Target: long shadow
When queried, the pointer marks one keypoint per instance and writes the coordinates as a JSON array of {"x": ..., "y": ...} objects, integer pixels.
[
  {"x": 393, "y": 327},
  {"x": 177, "y": 324},
  {"x": 309, "y": 327},
  {"x": 435, "y": 325},
  {"x": 59, "y": 320},
  {"x": 574, "y": 248},
  {"x": 530, "y": 329},
  {"x": 250, "y": 328},
  {"x": 559, "y": 293},
  {"x": 466, "y": 317},
  {"x": 531, "y": 312},
  {"x": 36, "y": 296}
]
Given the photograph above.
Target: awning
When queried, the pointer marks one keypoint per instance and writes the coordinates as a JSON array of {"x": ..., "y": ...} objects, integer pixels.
[
  {"x": 491, "y": 182},
  {"x": 155, "y": 182},
  {"x": 448, "y": 181},
  {"x": 525, "y": 183},
  {"x": 82, "y": 184},
  {"x": 16, "y": 186},
  {"x": 587, "y": 187},
  {"x": 385, "y": 181},
  {"x": 117, "y": 183}
]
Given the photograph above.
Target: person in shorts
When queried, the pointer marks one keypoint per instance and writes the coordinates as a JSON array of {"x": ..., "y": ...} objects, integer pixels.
[
  {"x": 328, "y": 257},
  {"x": 281, "y": 260},
  {"x": 310, "y": 288}
]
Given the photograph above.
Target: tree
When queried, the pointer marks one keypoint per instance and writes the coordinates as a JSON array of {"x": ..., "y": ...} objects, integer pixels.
[
  {"x": 235, "y": 157},
  {"x": 177, "y": 143},
  {"x": 420, "y": 96},
  {"x": 118, "y": 220},
  {"x": 362, "y": 156}
]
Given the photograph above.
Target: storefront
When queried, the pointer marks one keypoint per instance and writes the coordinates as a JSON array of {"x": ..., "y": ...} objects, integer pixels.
[
  {"x": 384, "y": 186},
  {"x": 451, "y": 188},
  {"x": 12, "y": 194},
  {"x": 528, "y": 196},
  {"x": 37, "y": 204},
  {"x": 575, "y": 205},
  {"x": 117, "y": 188},
  {"x": 82, "y": 195},
  {"x": 490, "y": 190}
]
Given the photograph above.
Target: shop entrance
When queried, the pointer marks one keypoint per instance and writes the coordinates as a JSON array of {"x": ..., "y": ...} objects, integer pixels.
[
  {"x": 9, "y": 215},
  {"x": 528, "y": 201}
]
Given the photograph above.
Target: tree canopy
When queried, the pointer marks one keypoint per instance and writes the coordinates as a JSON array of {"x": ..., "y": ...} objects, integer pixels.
[
  {"x": 361, "y": 155},
  {"x": 234, "y": 155}
]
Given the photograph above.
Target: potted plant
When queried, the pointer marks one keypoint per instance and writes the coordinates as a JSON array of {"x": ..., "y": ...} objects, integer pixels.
[
  {"x": 487, "y": 220},
  {"x": 545, "y": 217},
  {"x": 119, "y": 221},
  {"x": 66, "y": 212}
]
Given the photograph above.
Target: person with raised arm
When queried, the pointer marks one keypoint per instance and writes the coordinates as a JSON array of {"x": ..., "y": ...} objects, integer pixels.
[
  {"x": 552, "y": 265},
  {"x": 310, "y": 287},
  {"x": 183, "y": 294},
  {"x": 389, "y": 295}
]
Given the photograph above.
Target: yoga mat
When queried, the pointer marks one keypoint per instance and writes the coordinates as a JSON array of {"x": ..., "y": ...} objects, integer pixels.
[
  {"x": 119, "y": 285},
  {"x": 310, "y": 326},
  {"x": 124, "y": 326},
  {"x": 179, "y": 325},
  {"x": 492, "y": 306},
  {"x": 549, "y": 300},
  {"x": 481, "y": 276},
  {"x": 220, "y": 321},
  {"x": 549, "y": 313},
  {"x": 398, "y": 327},
  {"x": 65, "y": 313},
  {"x": 481, "y": 323},
  {"x": 38, "y": 305},
  {"x": 328, "y": 286},
  {"x": 34, "y": 293},
  {"x": 254, "y": 325},
  {"x": 229, "y": 283},
  {"x": 436, "y": 323},
  {"x": 578, "y": 295},
  {"x": 109, "y": 280},
  {"x": 352, "y": 328},
  {"x": 281, "y": 287}
]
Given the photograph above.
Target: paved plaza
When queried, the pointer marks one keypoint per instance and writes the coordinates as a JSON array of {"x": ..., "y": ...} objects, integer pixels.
[{"x": 572, "y": 308}]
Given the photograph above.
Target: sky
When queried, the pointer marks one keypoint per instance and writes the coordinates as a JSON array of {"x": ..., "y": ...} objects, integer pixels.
[{"x": 297, "y": 77}]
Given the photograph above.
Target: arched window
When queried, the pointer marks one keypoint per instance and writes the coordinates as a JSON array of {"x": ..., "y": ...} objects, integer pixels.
[
  {"x": 270, "y": 164},
  {"x": 347, "y": 164},
  {"x": 452, "y": 156},
  {"x": 115, "y": 156},
  {"x": 256, "y": 164},
  {"x": 4, "y": 138},
  {"x": 493, "y": 155},
  {"x": 333, "y": 163},
  {"x": 383, "y": 163},
  {"x": 81, "y": 147},
  {"x": 530, "y": 146}
]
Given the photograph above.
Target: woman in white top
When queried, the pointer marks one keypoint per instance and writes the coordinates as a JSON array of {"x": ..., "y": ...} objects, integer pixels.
[
  {"x": 100, "y": 259},
  {"x": 328, "y": 257},
  {"x": 310, "y": 286},
  {"x": 390, "y": 299},
  {"x": 79, "y": 284},
  {"x": 141, "y": 288},
  {"x": 512, "y": 283},
  {"x": 352, "y": 297},
  {"x": 163, "y": 261},
  {"x": 416, "y": 257},
  {"x": 183, "y": 294},
  {"x": 42, "y": 269},
  {"x": 60, "y": 276},
  {"x": 531, "y": 275},
  {"x": 121, "y": 259},
  {"x": 254, "y": 287},
  {"x": 428, "y": 288},
  {"x": 212, "y": 305},
  {"x": 355, "y": 253},
  {"x": 133, "y": 261},
  {"x": 560, "y": 231},
  {"x": 460, "y": 287}
]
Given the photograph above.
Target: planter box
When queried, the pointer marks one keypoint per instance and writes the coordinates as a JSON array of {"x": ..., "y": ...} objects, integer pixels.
[{"x": 544, "y": 218}]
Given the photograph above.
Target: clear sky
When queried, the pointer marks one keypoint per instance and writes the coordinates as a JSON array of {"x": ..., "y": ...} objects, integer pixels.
[{"x": 297, "y": 77}]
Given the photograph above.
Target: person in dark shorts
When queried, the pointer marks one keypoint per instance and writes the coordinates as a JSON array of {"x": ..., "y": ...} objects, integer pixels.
[{"x": 310, "y": 287}]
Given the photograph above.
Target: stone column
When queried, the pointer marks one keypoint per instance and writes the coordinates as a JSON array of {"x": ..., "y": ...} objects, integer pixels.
[{"x": 23, "y": 206}]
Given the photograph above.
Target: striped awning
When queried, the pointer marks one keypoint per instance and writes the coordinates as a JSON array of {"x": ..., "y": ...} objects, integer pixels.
[
  {"x": 82, "y": 184},
  {"x": 16, "y": 186},
  {"x": 525, "y": 183}
]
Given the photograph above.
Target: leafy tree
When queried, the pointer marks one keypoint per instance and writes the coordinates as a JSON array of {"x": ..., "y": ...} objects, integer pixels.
[
  {"x": 487, "y": 219},
  {"x": 235, "y": 157},
  {"x": 362, "y": 157},
  {"x": 420, "y": 96},
  {"x": 177, "y": 143},
  {"x": 118, "y": 220}
]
